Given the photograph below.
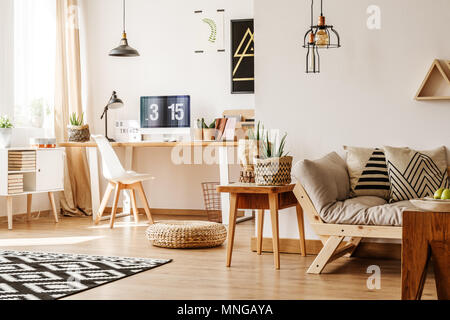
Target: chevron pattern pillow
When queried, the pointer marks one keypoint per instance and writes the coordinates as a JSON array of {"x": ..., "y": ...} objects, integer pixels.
[
  {"x": 368, "y": 172},
  {"x": 415, "y": 174}
]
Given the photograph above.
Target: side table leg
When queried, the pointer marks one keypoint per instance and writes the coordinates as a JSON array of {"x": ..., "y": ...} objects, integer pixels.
[
  {"x": 260, "y": 231},
  {"x": 273, "y": 203},
  {"x": 232, "y": 226}
]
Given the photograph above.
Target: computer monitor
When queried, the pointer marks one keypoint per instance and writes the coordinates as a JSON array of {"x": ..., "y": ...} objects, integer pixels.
[{"x": 166, "y": 115}]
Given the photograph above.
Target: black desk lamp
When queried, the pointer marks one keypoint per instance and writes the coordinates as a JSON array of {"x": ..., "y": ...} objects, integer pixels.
[{"x": 114, "y": 103}]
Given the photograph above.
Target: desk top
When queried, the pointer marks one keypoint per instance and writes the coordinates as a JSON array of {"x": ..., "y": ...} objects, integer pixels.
[
  {"x": 254, "y": 188},
  {"x": 152, "y": 144}
]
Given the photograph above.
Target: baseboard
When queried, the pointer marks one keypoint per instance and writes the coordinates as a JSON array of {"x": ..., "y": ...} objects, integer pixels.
[
  {"x": 173, "y": 212},
  {"x": 372, "y": 250},
  {"x": 24, "y": 215}
]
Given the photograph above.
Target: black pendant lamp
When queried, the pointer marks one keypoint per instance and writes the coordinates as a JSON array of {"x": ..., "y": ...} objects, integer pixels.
[{"x": 124, "y": 50}]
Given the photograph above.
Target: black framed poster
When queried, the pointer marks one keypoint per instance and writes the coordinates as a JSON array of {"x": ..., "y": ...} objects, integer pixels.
[{"x": 242, "y": 56}]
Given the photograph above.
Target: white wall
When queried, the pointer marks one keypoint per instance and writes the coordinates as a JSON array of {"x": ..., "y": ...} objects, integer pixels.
[
  {"x": 364, "y": 95},
  {"x": 163, "y": 32}
]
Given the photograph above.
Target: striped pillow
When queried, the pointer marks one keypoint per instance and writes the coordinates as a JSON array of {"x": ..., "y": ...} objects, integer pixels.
[{"x": 368, "y": 172}]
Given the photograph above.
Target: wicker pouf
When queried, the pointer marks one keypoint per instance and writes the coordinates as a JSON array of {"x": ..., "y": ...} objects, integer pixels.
[{"x": 186, "y": 234}]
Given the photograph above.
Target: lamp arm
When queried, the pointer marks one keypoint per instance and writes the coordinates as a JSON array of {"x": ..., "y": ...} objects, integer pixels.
[{"x": 104, "y": 112}]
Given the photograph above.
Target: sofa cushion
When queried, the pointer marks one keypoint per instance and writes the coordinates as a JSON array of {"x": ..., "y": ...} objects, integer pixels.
[
  {"x": 366, "y": 210},
  {"x": 325, "y": 180},
  {"x": 415, "y": 174},
  {"x": 368, "y": 172}
]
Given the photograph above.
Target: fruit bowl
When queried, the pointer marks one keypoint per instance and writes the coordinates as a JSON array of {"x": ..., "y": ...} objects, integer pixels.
[{"x": 431, "y": 204}]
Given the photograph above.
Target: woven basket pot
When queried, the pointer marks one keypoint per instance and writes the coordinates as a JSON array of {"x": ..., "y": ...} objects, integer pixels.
[
  {"x": 273, "y": 171},
  {"x": 79, "y": 133},
  {"x": 186, "y": 234}
]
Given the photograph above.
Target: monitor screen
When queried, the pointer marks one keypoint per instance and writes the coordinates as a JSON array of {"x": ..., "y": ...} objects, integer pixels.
[{"x": 166, "y": 112}]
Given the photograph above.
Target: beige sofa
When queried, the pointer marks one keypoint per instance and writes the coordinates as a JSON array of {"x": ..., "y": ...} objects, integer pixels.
[{"x": 323, "y": 191}]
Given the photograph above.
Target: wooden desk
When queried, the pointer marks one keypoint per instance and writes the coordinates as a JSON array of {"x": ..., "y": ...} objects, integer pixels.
[
  {"x": 251, "y": 196},
  {"x": 425, "y": 235},
  {"x": 129, "y": 147}
]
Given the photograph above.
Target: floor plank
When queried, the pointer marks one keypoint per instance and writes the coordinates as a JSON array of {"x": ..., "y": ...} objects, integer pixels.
[{"x": 201, "y": 274}]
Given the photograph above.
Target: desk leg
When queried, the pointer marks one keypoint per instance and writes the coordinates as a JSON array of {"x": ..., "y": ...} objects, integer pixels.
[
  {"x": 234, "y": 198},
  {"x": 126, "y": 204},
  {"x": 9, "y": 209},
  {"x": 224, "y": 180},
  {"x": 273, "y": 203},
  {"x": 95, "y": 182}
]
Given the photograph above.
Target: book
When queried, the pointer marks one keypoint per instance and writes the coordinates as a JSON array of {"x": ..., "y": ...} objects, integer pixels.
[{"x": 220, "y": 127}]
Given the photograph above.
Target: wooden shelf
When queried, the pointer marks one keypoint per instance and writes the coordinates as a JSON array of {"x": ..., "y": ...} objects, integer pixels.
[{"x": 436, "y": 85}]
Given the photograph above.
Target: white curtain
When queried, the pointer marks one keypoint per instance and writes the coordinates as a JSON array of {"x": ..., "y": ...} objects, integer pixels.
[
  {"x": 6, "y": 58},
  {"x": 34, "y": 63}
]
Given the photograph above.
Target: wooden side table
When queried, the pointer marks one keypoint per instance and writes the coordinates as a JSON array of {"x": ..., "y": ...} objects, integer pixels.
[
  {"x": 253, "y": 197},
  {"x": 425, "y": 235}
]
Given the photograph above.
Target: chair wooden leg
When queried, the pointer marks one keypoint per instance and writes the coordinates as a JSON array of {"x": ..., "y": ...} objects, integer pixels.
[
  {"x": 29, "y": 203},
  {"x": 134, "y": 206},
  {"x": 51, "y": 197},
  {"x": 234, "y": 197},
  {"x": 141, "y": 191},
  {"x": 105, "y": 200},
  {"x": 301, "y": 230},
  {"x": 273, "y": 204},
  {"x": 325, "y": 254},
  {"x": 116, "y": 201},
  {"x": 260, "y": 231},
  {"x": 9, "y": 210}
]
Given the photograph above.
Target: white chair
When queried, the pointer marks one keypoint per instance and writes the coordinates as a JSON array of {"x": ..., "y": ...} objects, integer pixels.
[{"x": 119, "y": 179}]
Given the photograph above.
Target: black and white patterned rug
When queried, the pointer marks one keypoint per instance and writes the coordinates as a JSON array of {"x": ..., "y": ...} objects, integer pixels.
[{"x": 50, "y": 276}]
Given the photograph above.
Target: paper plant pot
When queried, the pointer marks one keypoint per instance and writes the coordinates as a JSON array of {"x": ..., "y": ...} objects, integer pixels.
[
  {"x": 5, "y": 137},
  {"x": 209, "y": 134},
  {"x": 247, "y": 151}
]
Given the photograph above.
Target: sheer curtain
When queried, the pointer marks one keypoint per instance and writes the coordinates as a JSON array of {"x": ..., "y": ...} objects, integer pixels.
[
  {"x": 76, "y": 198},
  {"x": 34, "y": 63}
]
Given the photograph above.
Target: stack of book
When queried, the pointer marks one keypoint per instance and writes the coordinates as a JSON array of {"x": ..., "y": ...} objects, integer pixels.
[
  {"x": 22, "y": 161},
  {"x": 15, "y": 184}
]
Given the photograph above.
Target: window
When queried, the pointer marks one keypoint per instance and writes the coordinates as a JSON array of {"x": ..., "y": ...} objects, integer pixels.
[{"x": 34, "y": 63}]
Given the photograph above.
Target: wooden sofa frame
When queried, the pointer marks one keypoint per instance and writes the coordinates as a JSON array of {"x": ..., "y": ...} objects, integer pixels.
[{"x": 332, "y": 235}]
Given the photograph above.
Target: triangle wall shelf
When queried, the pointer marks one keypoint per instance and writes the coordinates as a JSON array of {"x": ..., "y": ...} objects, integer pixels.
[{"x": 436, "y": 85}]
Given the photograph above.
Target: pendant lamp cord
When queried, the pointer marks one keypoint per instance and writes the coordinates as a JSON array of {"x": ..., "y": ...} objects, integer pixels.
[
  {"x": 124, "y": 16},
  {"x": 312, "y": 13},
  {"x": 321, "y": 7}
]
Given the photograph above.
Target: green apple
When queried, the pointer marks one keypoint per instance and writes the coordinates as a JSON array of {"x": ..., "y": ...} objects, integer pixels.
[
  {"x": 445, "y": 194},
  {"x": 438, "y": 193}
]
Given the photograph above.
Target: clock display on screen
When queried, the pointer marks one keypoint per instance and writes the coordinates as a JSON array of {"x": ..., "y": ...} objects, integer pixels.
[{"x": 166, "y": 112}]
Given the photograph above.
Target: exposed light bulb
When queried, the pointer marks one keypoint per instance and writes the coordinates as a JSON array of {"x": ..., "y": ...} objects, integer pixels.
[{"x": 322, "y": 38}]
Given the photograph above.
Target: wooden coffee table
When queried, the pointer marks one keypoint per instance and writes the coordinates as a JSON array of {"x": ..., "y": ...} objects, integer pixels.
[
  {"x": 425, "y": 235},
  {"x": 251, "y": 196}
]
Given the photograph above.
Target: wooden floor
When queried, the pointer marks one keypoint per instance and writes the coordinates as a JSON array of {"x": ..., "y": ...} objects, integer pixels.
[{"x": 201, "y": 274}]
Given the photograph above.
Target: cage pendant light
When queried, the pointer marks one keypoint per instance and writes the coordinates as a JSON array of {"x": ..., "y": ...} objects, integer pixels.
[
  {"x": 124, "y": 50},
  {"x": 326, "y": 37},
  {"x": 312, "y": 57}
]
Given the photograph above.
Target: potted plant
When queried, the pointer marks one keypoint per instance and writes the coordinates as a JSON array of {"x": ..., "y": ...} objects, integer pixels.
[
  {"x": 198, "y": 132},
  {"x": 248, "y": 150},
  {"x": 78, "y": 131},
  {"x": 209, "y": 132},
  {"x": 273, "y": 166},
  {"x": 5, "y": 132}
]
